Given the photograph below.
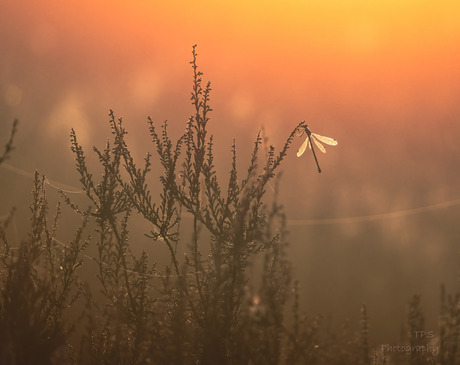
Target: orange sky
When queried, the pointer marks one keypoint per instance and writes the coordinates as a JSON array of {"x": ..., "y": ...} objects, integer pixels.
[{"x": 376, "y": 49}]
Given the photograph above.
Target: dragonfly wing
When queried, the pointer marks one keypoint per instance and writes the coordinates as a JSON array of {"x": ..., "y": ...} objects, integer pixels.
[
  {"x": 303, "y": 147},
  {"x": 327, "y": 140},
  {"x": 320, "y": 146}
]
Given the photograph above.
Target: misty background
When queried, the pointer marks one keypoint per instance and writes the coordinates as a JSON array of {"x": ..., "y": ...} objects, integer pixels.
[{"x": 386, "y": 89}]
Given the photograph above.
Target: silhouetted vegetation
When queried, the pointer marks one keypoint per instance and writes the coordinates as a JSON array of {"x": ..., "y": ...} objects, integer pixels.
[
  {"x": 9, "y": 145},
  {"x": 202, "y": 307}
]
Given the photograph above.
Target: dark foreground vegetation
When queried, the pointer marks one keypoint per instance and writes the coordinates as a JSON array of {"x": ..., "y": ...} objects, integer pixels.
[{"x": 202, "y": 307}]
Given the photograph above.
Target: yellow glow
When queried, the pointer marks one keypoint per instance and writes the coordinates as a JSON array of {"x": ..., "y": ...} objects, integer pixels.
[{"x": 355, "y": 51}]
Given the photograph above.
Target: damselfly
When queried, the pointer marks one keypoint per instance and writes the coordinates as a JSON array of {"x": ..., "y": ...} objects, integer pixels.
[{"x": 317, "y": 139}]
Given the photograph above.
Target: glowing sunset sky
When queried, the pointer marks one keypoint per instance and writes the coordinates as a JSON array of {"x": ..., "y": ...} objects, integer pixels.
[{"x": 296, "y": 52}]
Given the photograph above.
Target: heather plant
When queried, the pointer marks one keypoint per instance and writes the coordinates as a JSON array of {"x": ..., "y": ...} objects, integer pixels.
[
  {"x": 38, "y": 284},
  {"x": 449, "y": 328},
  {"x": 302, "y": 345},
  {"x": 200, "y": 308},
  {"x": 9, "y": 144},
  {"x": 5, "y": 249},
  {"x": 419, "y": 346},
  {"x": 416, "y": 322}
]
